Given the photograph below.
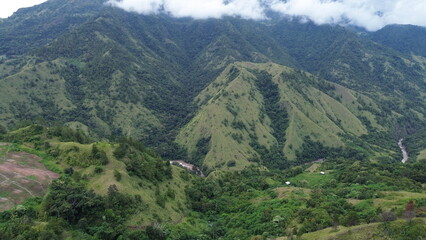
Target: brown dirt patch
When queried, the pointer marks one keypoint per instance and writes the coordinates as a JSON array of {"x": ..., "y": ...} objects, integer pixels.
[
  {"x": 22, "y": 171},
  {"x": 22, "y": 175}
]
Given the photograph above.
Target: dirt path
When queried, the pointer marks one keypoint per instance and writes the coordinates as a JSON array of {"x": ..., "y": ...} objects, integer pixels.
[
  {"x": 16, "y": 184},
  {"x": 403, "y": 150}
]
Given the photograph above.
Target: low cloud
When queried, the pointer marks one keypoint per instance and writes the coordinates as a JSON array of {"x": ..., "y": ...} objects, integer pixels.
[
  {"x": 369, "y": 14},
  {"x": 198, "y": 9}
]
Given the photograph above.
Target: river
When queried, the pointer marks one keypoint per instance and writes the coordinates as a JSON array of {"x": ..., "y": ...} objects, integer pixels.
[{"x": 403, "y": 150}]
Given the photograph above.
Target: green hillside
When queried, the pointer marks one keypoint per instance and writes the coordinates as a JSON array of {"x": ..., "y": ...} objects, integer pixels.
[
  {"x": 123, "y": 74},
  {"x": 29, "y": 28},
  {"x": 133, "y": 170},
  {"x": 404, "y": 38},
  {"x": 291, "y": 128},
  {"x": 234, "y": 117},
  {"x": 124, "y": 190}
]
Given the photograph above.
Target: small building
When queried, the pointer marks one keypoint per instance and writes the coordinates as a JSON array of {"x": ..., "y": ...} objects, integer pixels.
[
  {"x": 288, "y": 183},
  {"x": 322, "y": 173}
]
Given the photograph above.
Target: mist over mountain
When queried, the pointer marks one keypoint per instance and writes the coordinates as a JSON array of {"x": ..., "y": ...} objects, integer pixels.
[
  {"x": 245, "y": 120},
  {"x": 369, "y": 14}
]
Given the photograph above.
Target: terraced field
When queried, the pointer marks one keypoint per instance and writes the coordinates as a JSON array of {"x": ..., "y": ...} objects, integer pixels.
[{"x": 22, "y": 175}]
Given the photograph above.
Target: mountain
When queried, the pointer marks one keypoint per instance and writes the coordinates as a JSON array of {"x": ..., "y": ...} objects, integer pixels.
[
  {"x": 29, "y": 28},
  {"x": 278, "y": 129},
  {"x": 408, "y": 39},
  {"x": 251, "y": 108},
  {"x": 151, "y": 78}
]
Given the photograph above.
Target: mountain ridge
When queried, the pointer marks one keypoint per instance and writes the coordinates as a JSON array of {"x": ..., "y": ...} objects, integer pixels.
[{"x": 120, "y": 73}]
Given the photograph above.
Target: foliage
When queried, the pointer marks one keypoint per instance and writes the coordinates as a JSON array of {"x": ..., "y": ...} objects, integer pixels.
[
  {"x": 202, "y": 148},
  {"x": 311, "y": 151},
  {"x": 394, "y": 35},
  {"x": 3, "y": 129},
  {"x": 275, "y": 111},
  {"x": 69, "y": 205},
  {"x": 141, "y": 161}
]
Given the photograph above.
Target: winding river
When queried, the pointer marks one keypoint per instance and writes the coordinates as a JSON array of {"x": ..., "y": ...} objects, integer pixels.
[{"x": 403, "y": 150}]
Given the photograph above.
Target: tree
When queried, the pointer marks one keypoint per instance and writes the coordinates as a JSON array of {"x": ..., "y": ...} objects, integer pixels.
[
  {"x": 3, "y": 129},
  {"x": 351, "y": 219},
  {"x": 117, "y": 175},
  {"x": 71, "y": 201},
  {"x": 156, "y": 232}
]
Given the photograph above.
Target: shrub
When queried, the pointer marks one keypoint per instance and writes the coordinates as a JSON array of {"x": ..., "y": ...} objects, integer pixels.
[
  {"x": 98, "y": 169},
  {"x": 231, "y": 163},
  {"x": 117, "y": 175},
  {"x": 3, "y": 129}
]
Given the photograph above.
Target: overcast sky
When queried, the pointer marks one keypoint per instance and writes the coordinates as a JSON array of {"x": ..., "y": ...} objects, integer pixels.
[
  {"x": 8, "y": 7},
  {"x": 370, "y": 14}
]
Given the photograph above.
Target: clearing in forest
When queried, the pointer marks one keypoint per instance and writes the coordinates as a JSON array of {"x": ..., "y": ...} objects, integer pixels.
[{"x": 22, "y": 175}]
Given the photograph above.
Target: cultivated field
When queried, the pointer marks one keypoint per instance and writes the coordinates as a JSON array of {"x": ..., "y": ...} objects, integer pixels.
[{"x": 22, "y": 175}]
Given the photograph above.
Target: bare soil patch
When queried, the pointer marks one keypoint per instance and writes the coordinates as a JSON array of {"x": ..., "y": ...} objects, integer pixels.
[{"x": 22, "y": 175}]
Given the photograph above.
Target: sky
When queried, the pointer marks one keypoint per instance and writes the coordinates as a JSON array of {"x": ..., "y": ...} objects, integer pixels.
[
  {"x": 369, "y": 14},
  {"x": 8, "y": 7}
]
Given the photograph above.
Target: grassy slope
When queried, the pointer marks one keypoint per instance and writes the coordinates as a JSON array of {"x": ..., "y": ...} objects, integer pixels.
[
  {"x": 174, "y": 209},
  {"x": 36, "y": 89},
  {"x": 422, "y": 155},
  {"x": 390, "y": 200},
  {"x": 359, "y": 232},
  {"x": 16, "y": 86},
  {"x": 241, "y": 97},
  {"x": 72, "y": 154},
  {"x": 322, "y": 115}
]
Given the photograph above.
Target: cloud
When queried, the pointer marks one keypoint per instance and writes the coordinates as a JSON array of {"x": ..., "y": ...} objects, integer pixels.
[
  {"x": 198, "y": 9},
  {"x": 369, "y": 14}
]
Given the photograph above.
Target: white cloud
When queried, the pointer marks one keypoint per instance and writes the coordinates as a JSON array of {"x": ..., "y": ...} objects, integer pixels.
[
  {"x": 8, "y": 7},
  {"x": 198, "y": 9},
  {"x": 370, "y": 14}
]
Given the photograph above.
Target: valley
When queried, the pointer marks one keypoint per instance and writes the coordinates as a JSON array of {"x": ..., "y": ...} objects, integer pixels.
[{"x": 121, "y": 125}]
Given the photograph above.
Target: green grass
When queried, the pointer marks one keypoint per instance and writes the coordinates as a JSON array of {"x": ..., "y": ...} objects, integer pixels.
[
  {"x": 422, "y": 155},
  {"x": 311, "y": 180},
  {"x": 219, "y": 98},
  {"x": 48, "y": 161},
  {"x": 312, "y": 112},
  {"x": 397, "y": 199},
  {"x": 34, "y": 178},
  {"x": 152, "y": 212},
  {"x": 174, "y": 209},
  {"x": 359, "y": 232},
  {"x": 4, "y": 194}
]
